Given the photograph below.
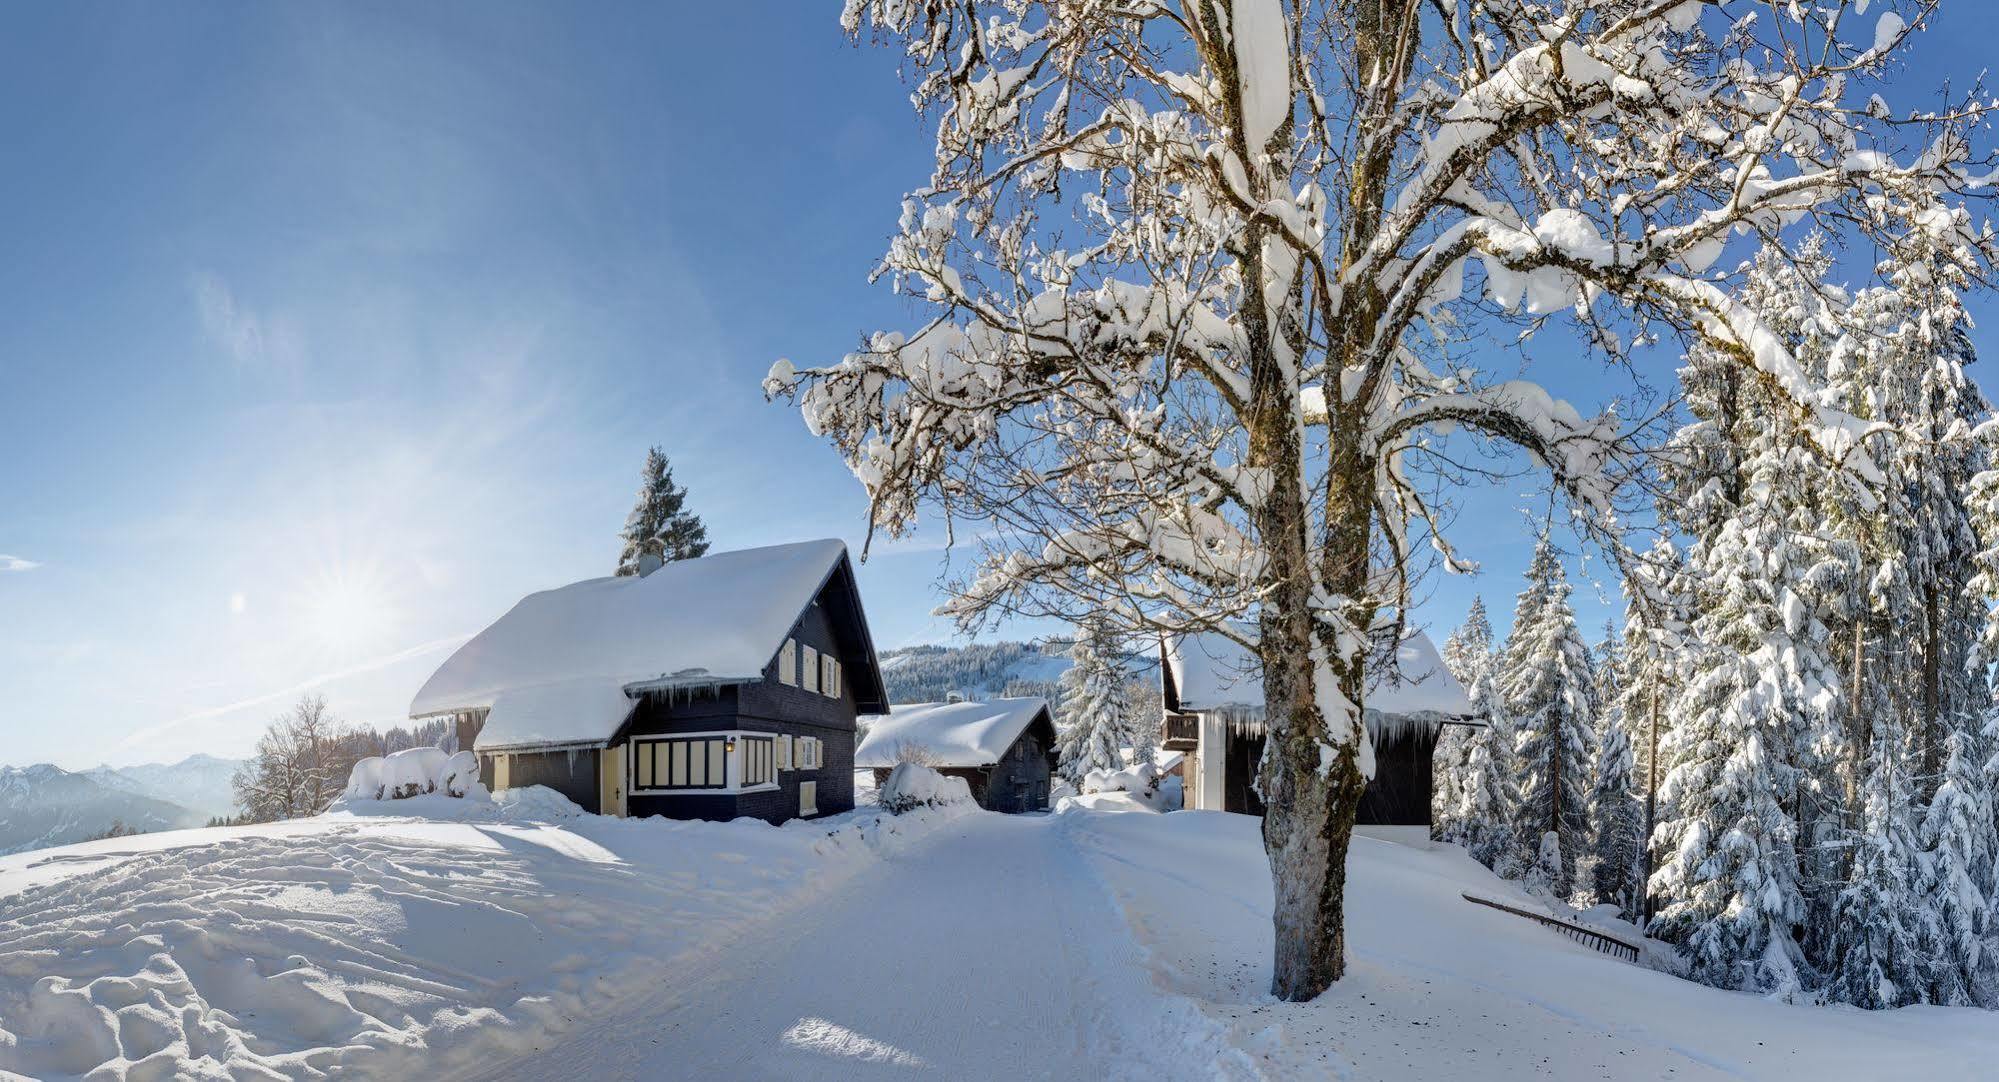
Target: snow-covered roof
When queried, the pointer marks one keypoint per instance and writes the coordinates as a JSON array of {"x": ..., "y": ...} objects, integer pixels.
[
  {"x": 1212, "y": 671},
  {"x": 560, "y": 666},
  {"x": 958, "y": 734}
]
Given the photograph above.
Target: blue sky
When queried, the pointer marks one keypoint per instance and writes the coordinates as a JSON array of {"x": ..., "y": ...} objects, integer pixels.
[{"x": 332, "y": 330}]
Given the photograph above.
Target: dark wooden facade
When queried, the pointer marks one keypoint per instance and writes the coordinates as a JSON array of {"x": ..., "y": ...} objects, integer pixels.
[
  {"x": 1020, "y": 780},
  {"x": 833, "y": 624}
]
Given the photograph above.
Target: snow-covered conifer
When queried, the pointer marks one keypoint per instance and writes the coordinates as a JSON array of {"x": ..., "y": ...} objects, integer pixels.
[
  {"x": 1094, "y": 723},
  {"x": 1549, "y": 690},
  {"x": 1881, "y": 927},
  {"x": 660, "y": 524}
]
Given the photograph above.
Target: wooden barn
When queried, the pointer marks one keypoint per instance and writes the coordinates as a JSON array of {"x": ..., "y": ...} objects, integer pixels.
[
  {"x": 1213, "y": 692},
  {"x": 711, "y": 688},
  {"x": 1003, "y": 748}
]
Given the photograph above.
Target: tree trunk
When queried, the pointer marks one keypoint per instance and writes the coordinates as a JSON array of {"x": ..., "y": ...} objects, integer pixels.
[
  {"x": 1932, "y": 720},
  {"x": 1651, "y": 810},
  {"x": 1310, "y": 803}
]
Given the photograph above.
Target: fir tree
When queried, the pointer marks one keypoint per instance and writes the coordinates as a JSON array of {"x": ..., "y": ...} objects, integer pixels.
[
  {"x": 1095, "y": 726},
  {"x": 1488, "y": 799},
  {"x": 1956, "y": 836},
  {"x": 1467, "y": 655},
  {"x": 660, "y": 525},
  {"x": 1880, "y": 925},
  {"x": 1548, "y": 691},
  {"x": 1618, "y": 819}
]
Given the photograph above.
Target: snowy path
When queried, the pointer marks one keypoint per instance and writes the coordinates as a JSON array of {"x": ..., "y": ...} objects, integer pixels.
[{"x": 990, "y": 951}]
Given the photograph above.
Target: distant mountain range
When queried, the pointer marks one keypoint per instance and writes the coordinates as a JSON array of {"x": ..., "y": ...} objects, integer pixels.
[{"x": 44, "y": 805}]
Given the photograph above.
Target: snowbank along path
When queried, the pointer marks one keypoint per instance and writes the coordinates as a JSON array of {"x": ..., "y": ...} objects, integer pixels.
[{"x": 990, "y": 951}]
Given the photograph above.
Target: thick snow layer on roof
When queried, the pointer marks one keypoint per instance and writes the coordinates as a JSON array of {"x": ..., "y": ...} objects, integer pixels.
[
  {"x": 553, "y": 668},
  {"x": 949, "y": 734},
  {"x": 1213, "y": 672},
  {"x": 570, "y": 712}
]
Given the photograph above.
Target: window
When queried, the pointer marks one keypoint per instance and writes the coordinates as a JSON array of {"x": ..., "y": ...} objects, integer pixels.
[
  {"x": 809, "y": 753},
  {"x": 808, "y": 798},
  {"x": 810, "y": 667},
  {"x": 686, "y": 763},
  {"x": 759, "y": 761},
  {"x": 787, "y": 662},
  {"x": 829, "y": 675}
]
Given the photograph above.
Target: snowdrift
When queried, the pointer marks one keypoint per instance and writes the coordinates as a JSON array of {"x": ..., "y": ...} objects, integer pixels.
[
  {"x": 911, "y": 786},
  {"x": 364, "y": 942},
  {"x": 415, "y": 772}
]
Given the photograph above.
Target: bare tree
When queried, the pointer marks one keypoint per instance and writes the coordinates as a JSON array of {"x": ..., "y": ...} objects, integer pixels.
[
  {"x": 298, "y": 767},
  {"x": 1197, "y": 277}
]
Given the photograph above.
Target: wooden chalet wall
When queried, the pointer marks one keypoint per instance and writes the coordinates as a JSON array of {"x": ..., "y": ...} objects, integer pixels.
[{"x": 767, "y": 706}]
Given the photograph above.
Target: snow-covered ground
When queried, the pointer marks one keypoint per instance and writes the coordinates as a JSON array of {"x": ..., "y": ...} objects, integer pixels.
[
  {"x": 1440, "y": 988},
  {"x": 484, "y": 941}
]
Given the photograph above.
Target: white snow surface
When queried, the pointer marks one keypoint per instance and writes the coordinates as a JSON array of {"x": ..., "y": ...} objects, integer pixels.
[
  {"x": 463, "y": 943},
  {"x": 555, "y": 669},
  {"x": 961, "y": 734},
  {"x": 911, "y": 786},
  {"x": 415, "y": 772},
  {"x": 1214, "y": 672}
]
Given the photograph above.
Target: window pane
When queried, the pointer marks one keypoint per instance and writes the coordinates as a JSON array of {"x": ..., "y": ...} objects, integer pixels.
[
  {"x": 697, "y": 764},
  {"x": 679, "y": 774},
  {"x": 644, "y": 752},
  {"x": 717, "y": 770}
]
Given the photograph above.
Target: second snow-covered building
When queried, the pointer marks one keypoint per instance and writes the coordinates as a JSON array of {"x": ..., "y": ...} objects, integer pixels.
[
  {"x": 1003, "y": 748},
  {"x": 710, "y": 688},
  {"x": 1213, "y": 692}
]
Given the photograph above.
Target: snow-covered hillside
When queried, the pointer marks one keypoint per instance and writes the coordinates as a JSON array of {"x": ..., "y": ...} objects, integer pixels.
[
  {"x": 953, "y": 944},
  {"x": 43, "y": 805},
  {"x": 928, "y": 674}
]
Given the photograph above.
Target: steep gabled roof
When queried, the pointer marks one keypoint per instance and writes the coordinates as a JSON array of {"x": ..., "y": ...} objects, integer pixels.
[
  {"x": 958, "y": 734},
  {"x": 561, "y": 665},
  {"x": 1213, "y": 672}
]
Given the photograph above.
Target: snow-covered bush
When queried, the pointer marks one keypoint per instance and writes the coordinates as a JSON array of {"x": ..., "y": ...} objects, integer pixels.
[
  {"x": 535, "y": 802},
  {"x": 913, "y": 785},
  {"x": 413, "y": 772}
]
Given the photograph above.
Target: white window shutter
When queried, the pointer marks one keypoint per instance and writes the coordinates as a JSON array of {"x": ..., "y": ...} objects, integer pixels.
[
  {"x": 784, "y": 753},
  {"x": 787, "y": 663},
  {"x": 810, "y": 666}
]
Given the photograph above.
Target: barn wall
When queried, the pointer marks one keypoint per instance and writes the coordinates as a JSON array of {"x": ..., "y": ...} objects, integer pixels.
[
  {"x": 573, "y": 774},
  {"x": 1399, "y": 794},
  {"x": 1019, "y": 781}
]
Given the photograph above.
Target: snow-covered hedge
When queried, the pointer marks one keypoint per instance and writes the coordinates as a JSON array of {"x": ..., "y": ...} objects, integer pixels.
[
  {"x": 912, "y": 785},
  {"x": 414, "y": 772}
]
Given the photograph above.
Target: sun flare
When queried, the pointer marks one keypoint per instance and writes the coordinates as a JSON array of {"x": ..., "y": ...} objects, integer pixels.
[{"x": 347, "y": 609}]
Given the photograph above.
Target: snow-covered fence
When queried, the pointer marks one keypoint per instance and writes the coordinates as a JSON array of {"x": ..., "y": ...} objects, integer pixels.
[
  {"x": 913, "y": 785},
  {"x": 413, "y": 772}
]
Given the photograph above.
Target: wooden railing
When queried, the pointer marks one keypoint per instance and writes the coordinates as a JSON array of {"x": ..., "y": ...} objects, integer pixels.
[
  {"x": 1602, "y": 942},
  {"x": 1180, "y": 732}
]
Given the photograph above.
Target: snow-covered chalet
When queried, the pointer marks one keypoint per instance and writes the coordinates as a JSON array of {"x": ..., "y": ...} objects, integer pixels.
[
  {"x": 710, "y": 688},
  {"x": 1003, "y": 748},
  {"x": 1213, "y": 692}
]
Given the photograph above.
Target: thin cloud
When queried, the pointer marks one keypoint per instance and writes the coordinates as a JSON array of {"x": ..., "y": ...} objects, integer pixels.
[
  {"x": 250, "y": 339},
  {"x": 299, "y": 688},
  {"x": 16, "y": 563}
]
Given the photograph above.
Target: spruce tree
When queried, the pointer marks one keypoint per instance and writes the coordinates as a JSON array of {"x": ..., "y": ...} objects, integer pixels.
[
  {"x": 1956, "y": 836},
  {"x": 1095, "y": 726},
  {"x": 1548, "y": 690},
  {"x": 1467, "y": 655},
  {"x": 1618, "y": 819},
  {"x": 660, "y": 525},
  {"x": 1880, "y": 926},
  {"x": 1488, "y": 797}
]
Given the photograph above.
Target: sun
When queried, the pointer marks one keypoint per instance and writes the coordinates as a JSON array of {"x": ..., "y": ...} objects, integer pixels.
[{"x": 346, "y": 609}]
